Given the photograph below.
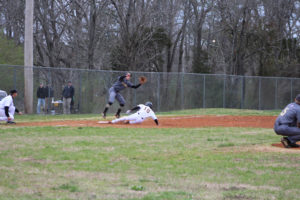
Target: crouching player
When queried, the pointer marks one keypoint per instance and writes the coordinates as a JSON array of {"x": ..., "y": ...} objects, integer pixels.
[
  {"x": 143, "y": 112},
  {"x": 7, "y": 108}
]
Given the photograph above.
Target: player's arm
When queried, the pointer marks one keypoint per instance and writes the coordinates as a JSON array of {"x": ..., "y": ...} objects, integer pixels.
[
  {"x": 153, "y": 116},
  {"x": 133, "y": 109},
  {"x": 135, "y": 86},
  {"x": 121, "y": 78},
  {"x": 17, "y": 111},
  {"x": 6, "y": 108},
  {"x": 132, "y": 85}
]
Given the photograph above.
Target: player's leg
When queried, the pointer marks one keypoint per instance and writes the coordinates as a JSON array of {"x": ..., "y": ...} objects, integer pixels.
[
  {"x": 121, "y": 100},
  {"x": 69, "y": 105},
  {"x": 111, "y": 99},
  {"x": 119, "y": 120},
  {"x": 125, "y": 118},
  {"x": 65, "y": 105},
  {"x": 43, "y": 103},
  {"x": 136, "y": 121},
  {"x": 2, "y": 115},
  {"x": 11, "y": 112},
  {"x": 292, "y": 133},
  {"x": 38, "y": 108}
]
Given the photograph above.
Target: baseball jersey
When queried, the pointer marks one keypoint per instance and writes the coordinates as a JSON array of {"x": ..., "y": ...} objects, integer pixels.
[
  {"x": 146, "y": 112},
  {"x": 290, "y": 114},
  {"x": 6, "y": 101},
  {"x": 121, "y": 84}
]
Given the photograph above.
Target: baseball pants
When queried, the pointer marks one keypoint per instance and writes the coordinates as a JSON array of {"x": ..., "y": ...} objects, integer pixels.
[
  {"x": 115, "y": 95},
  {"x": 133, "y": 119},
  {"x": 11, "y": 112},
  {"x": 292, "y": 132}
]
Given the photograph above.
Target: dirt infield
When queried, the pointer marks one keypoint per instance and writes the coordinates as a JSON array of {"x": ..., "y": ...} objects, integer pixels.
[
  {"x": 281, "y": 146},
  {"x": 172, "y": 122}
]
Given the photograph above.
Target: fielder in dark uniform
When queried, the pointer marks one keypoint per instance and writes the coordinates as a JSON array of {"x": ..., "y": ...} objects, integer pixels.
[
  {"x": 122, "y": 83},
  {"x": 288, "y": 124}
]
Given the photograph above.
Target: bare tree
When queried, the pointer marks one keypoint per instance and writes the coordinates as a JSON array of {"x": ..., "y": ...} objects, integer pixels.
[{"x": 257, "y": 37}]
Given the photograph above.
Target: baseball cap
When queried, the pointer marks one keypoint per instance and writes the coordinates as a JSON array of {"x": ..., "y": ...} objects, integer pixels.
[
  {"x": 298, "y": 97},
  {"x": 13, "y": 91}
]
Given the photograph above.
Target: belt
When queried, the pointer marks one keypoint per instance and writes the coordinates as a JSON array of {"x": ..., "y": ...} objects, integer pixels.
[{"x": 288, "y": 124}]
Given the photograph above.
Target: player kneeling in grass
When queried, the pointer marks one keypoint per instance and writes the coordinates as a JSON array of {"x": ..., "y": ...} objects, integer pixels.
[
  {"x": 288, "y": 124},
  {"x": 7, "y": 108},
  {"x": 143, "y": 112}
]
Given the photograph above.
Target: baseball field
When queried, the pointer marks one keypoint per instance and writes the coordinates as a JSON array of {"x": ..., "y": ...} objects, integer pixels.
[{"x": 193, "y": 154}]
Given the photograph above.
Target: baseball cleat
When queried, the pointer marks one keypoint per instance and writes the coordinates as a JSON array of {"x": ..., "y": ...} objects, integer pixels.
[
  {"x": 285, "y": 142},
  {"x": 11, "y": 122},
  {"x": 294, "y": 145},
  {"x": 104, "y": 115},
  {"x": 117, "y": 115},
  {"x": 291, "y": 144}
]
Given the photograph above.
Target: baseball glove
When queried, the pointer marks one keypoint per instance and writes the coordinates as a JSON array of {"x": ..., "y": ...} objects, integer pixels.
[{"x": 142, "y": 79}]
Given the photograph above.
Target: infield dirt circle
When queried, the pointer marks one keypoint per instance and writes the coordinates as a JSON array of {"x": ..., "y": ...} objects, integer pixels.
[{"x": 173, "y": 122}]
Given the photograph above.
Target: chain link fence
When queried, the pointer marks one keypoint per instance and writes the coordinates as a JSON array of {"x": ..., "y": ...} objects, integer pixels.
[{"x": 167, "y": 91}]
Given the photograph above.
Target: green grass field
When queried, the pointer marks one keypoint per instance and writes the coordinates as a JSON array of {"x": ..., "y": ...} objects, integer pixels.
[{"x": 113, "y": 163}]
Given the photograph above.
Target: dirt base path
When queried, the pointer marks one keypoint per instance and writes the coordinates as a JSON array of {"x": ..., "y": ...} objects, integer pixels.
[{"x": 172, "y": 122}]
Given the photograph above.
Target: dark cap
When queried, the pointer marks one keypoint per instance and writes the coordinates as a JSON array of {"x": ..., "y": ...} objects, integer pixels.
[
  {"x": 13, "y": 91},
  {"x": 298, "y": 97}
]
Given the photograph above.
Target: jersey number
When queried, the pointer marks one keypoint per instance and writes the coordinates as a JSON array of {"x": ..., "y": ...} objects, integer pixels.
[{"x": 284, "y": 111}]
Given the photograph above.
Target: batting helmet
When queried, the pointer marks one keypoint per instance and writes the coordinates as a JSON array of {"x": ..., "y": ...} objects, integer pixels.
[{"x": 149, "y": 104}]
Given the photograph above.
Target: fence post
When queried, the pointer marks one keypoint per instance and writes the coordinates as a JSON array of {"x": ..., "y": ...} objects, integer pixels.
[
  {"x": 134, "y": 96},
  {"x": 49, "y": 91},
  {"x": 158, "y": 92},
  {"x": 203, "y": 97},
  {"x": 259, "y": 93},
  {"x": 242, "y": 92},
  {"x": 291, "y": 90},
  {"x": 182, "y": 92},
  {"x": 79, "y": 96},
  {"x": 276, "y": 90},
  {"x": 224, "y": 91},
  {"x": 15, "y": 78}
]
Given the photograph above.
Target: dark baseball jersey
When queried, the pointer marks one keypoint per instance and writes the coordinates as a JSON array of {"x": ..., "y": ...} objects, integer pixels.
[
  {"x": 289, "y": 115},
  {"x": 121, "y": 84}
]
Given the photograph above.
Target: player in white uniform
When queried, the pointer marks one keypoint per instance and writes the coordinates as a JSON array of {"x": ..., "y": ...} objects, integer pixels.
[
  {"x": 143, "y": 112},
  {"x": 7, "y": 108}
]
